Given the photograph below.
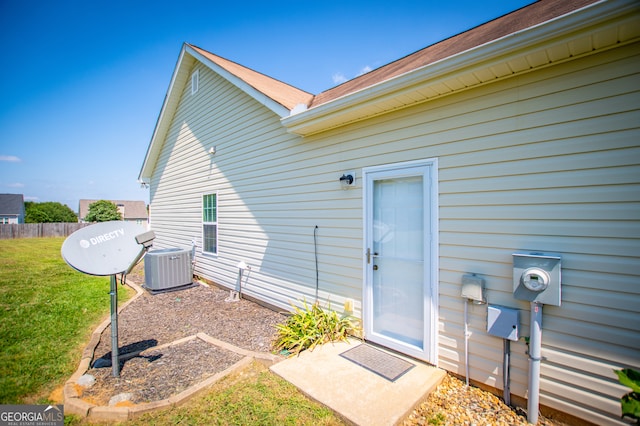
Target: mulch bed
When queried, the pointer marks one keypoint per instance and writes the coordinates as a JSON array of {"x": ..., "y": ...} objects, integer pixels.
[{"x": 154, "y": 320}]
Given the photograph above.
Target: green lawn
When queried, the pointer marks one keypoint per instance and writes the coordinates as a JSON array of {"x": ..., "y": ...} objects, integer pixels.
[
  {"x": 47, "y": 312},
  {"x": 254, "y": 396}
]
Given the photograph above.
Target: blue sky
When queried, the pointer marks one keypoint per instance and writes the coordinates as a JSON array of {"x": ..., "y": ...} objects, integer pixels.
[{"x": 82, "y": 82}]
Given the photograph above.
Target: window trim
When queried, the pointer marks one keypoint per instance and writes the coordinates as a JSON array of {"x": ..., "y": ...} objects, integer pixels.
[
  {"x": 195, "y": 82},
  {"x": 202, "y": 207}
]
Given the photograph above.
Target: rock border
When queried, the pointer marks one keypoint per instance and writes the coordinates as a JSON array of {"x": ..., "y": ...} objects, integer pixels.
[{"x": 74, "y": 404}]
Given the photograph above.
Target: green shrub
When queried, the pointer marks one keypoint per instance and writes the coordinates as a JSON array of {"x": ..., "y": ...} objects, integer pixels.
[
  {"x": 630, "y": 402},
  {"x": 311, "y": 326}
]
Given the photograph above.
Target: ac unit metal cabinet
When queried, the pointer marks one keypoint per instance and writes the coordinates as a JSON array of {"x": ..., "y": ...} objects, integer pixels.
[{"x": 165, "y": 269}]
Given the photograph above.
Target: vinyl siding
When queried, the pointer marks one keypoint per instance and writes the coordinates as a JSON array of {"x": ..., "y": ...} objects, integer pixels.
[
  {"x": 548, "y": 161},
  {"x": 271, "y": 195}
]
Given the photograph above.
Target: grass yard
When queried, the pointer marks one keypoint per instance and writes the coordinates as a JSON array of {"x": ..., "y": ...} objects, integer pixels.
[
  {"x": 253, "y": 396},
  {"x": 47, "y": 313}
]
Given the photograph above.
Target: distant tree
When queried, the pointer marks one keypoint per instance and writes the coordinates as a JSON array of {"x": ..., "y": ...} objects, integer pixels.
[
  {"x": 49, "y": 211},
  {"x": 102, "y": 211}
]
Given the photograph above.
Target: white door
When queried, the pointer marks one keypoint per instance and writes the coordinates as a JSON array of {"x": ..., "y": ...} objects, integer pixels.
[{"x": 400, "y": 265}]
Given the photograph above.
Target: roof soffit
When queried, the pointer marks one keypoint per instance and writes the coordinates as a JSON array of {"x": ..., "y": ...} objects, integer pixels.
[{"x": 594, "y": 28}]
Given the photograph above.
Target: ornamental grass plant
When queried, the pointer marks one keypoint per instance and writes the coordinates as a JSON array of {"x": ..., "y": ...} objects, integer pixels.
[{"x": 312, "y": 325}]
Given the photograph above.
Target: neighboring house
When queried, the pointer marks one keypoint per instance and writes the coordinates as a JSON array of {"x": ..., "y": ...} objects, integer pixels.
[
  {"x": 522, "y": 134},
  {"x": 131, "y": 211},
  {"x": 11, "y": 208}
]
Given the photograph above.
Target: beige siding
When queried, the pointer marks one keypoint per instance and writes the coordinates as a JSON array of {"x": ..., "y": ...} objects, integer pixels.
[
  {"x": 271, "y": 194},
  {"x": 546, "y": 161},
  {"x": 549, "y": 162}
]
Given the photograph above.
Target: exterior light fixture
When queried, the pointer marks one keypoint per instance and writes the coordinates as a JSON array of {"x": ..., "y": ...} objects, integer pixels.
[{"x": 347, "y": 179}]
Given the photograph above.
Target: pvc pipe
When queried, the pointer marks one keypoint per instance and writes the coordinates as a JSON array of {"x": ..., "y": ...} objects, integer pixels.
[
  {"x": 466, "y": 342},
  {"x": 115, "y": 363},
  {"x": 535, "y": 343}
]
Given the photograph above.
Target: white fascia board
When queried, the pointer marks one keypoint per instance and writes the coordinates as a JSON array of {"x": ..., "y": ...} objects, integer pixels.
[
  {"x": 162, "y": 123},
  {"x": 263, "y": 99},
  {"x": 328, "y": 115}
]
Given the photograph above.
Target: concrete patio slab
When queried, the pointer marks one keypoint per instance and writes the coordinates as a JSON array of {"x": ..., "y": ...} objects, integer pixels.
[{"x": 355, "y": 393}]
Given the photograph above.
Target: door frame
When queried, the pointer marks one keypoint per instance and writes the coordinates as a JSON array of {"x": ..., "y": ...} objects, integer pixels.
[{"x": 430, "y": 350}]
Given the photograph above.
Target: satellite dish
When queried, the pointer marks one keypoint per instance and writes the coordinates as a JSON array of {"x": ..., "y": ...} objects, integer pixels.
[{"x": 106, "y": 248}]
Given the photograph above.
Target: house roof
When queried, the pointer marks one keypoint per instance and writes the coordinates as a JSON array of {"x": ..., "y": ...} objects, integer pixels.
[
  {"x": 11, "y": 204},
  {"x": 132, "y": 209},
  {"x": 545, "y": 32},
  {"x": 284, "y": 94},
  {"x": 510, "y": 23}
]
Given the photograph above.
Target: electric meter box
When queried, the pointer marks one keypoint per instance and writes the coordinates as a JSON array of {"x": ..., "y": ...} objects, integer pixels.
[
  {"x": 503, "y": 322},
  {"x": 536, "y": 277}
]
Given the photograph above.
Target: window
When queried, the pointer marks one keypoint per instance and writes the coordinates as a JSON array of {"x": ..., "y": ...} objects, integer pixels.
[
  {"x": 210, "y": 223},
  {"x": 195, "y": 81}
]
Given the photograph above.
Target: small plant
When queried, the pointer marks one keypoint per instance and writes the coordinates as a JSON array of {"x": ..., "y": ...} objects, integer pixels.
[
  {"x": 311, "y": 326},
  {"x": 630, "y": 402},
  {"x": 437, "y": 420}
]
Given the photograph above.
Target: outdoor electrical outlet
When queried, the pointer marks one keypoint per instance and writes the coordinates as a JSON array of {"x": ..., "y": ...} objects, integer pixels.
[{"x": 348, "y": 305}]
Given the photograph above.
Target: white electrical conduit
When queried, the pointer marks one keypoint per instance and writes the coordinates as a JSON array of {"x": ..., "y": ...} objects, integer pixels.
[
  {"x": 535, "y": 343},
  {"x": 466, "y": 341}
]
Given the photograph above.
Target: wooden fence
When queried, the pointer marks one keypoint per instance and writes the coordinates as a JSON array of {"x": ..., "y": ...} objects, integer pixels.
[{"x": 38, "y": 230}]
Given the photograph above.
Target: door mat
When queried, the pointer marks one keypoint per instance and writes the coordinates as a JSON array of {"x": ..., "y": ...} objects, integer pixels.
[{"x": 383, "y": 364}]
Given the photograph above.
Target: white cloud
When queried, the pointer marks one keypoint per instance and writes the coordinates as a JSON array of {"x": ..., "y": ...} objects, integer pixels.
[
  {"x": 15, "y": 185},
  {"x": 338, "y": 78},
  {"x": 10, "y": 158},
  {"x": 365, "y": 70}
]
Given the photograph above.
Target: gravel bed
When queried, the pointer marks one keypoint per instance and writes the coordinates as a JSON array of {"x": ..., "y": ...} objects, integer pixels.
[
  {"x": 154, "y": 320},
  {"x": 157, "y": 374},
  {"x": 454, "y": 403}
]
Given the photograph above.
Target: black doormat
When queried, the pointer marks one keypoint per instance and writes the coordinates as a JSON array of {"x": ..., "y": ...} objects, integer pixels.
[{"x": 383, "y": 364}]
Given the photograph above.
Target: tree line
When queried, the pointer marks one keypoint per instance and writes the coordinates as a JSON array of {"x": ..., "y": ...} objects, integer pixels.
[{"x": 54, "y": 212}]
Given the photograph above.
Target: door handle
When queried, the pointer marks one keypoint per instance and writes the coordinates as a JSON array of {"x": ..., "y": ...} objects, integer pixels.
[
  {"x": 375, "y": 267},
  {"x": 369, "y": 255}
]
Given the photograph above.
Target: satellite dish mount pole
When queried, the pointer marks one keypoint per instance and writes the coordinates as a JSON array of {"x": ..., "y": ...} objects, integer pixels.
[
  {"x": 102, "y": 249},
  {"x": 115, "y": 363}
]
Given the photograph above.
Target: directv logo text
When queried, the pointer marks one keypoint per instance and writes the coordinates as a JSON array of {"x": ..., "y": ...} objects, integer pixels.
[{"x": 99, "y": 239}]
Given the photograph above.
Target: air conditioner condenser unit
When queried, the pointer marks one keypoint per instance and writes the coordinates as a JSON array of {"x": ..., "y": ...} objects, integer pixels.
[{"x": 168, "y": 269}]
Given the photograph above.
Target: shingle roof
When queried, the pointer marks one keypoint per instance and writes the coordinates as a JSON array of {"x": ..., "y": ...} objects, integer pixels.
[
  {"x": 289, "y": 96},
  {"x": 285, "y": 94},
  {"x": 513, "y": 22},
  {"x": 11, "y": 204}
]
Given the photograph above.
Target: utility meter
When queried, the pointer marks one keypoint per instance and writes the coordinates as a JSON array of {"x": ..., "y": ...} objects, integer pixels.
[{"x": 536, "y": 277}]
